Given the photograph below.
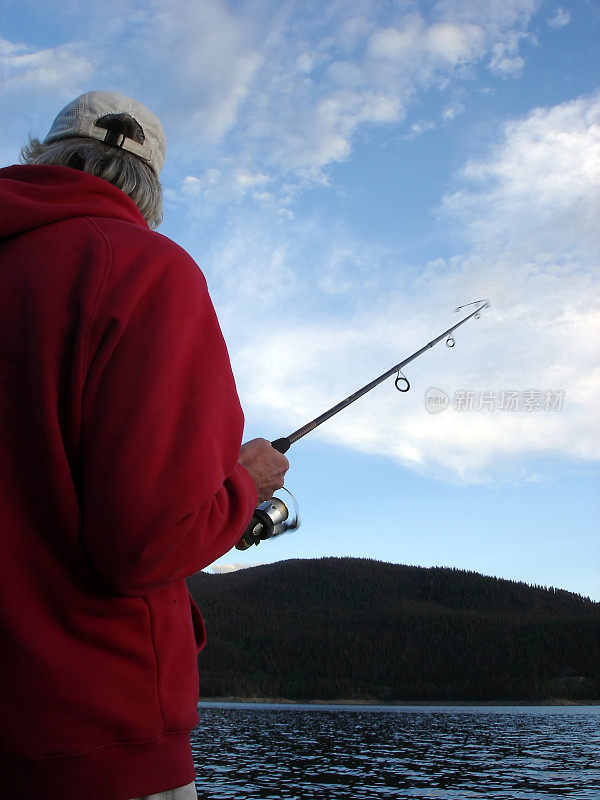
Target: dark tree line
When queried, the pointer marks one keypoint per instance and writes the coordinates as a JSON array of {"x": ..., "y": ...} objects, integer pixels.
[{"x": 361, "y": 629}]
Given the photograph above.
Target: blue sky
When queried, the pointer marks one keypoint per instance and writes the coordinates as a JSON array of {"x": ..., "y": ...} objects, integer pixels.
[{"x": 347, "y": 173}]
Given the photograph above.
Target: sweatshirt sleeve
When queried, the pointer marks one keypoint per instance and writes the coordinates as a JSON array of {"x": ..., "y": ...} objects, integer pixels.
[{"x": 163, "y": 492}]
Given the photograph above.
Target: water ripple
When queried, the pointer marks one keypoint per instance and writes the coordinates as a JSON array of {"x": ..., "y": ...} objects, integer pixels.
[{"x": 299, "y": 753}]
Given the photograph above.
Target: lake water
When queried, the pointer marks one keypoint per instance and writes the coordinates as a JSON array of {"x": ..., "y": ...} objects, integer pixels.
[{"x": 291, "y": 752}]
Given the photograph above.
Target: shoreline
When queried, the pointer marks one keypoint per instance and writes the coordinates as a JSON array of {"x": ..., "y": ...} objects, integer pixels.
[{"x": 372, "y": 701}]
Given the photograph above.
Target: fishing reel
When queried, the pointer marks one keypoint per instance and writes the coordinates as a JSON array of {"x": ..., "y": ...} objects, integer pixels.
[{"x": 271, "y": 518}]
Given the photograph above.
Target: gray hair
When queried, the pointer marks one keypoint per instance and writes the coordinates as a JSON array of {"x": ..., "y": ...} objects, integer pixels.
[{"x": 124, "y": 170}]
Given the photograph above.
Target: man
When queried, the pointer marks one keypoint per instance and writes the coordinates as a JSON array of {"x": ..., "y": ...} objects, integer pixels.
[{"x": 121, "y": 471}]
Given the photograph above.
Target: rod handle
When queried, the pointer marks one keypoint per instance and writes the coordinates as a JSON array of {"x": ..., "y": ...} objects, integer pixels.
[{"x": 281, "y": 445}]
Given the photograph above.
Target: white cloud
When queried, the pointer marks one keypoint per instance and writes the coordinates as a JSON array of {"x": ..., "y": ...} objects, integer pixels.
[
  {"x": 539, "y": 190},
  {"x": 505, "y": 61},
  {"x": 544, "y": 342},
  {"x": 451, "y": 111},
  {"x": 36, "y": 82},
  {"x": 222, "y": 186},
  {"x": 288, "y": 91},
  {"x": 222, "y": 569},
  {"x": 250, "y": 267},
  {"x": 454, "y": 43},
  {"x": 503, "y": 25},
  {"x": 278, "y": 91},
  {"x": 203, "y": 58},
  {"x": 540, "y": 335},
  {"x": 560, "y": 19},
  {"x": 372, "y": 81},
  {"x": 283, "y": 88},
  {"x": 529, "y": 215},
  {"x": 421, "y": 126},
  {"x": 414, "y": 40},
  {"x": 495, "y": 15},
  {"x": 58, "y": 69}
]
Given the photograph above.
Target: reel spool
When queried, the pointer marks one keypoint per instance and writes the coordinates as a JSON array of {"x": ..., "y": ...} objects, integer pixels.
[{"x": 271, "y": 518}]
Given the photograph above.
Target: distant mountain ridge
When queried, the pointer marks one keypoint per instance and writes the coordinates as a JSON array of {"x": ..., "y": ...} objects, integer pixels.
[{"x": 358, "y": 629}]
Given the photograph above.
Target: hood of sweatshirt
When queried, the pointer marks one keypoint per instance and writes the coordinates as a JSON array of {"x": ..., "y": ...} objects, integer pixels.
[{"x": 32, "y": 196}]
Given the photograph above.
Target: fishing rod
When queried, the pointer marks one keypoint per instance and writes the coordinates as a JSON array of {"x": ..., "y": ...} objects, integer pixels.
[{"x": 276, "y": 516}]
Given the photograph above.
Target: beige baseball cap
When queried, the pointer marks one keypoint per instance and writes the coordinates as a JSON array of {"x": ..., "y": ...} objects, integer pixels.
[{"x": 79, "y": 118}]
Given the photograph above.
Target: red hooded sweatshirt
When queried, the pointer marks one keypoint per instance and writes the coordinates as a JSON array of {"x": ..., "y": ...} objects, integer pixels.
[{"x": 120, "y": 430}]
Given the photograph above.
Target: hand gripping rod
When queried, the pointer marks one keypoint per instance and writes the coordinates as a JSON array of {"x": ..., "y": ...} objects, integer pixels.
[{"x": 284, "y": 444}]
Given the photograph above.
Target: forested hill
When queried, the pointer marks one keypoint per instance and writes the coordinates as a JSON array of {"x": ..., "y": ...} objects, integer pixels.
[{"x": 341, "y": 628}]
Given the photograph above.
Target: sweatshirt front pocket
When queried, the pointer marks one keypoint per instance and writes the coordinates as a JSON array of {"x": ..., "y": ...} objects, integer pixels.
[{"x": 178, "y": 633}]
